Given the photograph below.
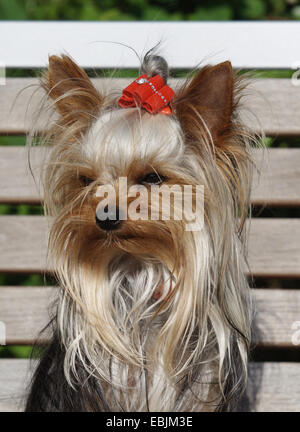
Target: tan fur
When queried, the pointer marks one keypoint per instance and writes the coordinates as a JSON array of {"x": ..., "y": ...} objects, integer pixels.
[{"x": 185, "y": 349}]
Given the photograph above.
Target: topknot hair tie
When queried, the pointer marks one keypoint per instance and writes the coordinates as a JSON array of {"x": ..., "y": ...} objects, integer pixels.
[{"x": 149, "y": 93}]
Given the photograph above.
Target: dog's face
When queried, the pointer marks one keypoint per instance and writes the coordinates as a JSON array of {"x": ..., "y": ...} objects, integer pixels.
[
  {"x": 126, "y": 153},
  {"x": 131, "y": 152}
]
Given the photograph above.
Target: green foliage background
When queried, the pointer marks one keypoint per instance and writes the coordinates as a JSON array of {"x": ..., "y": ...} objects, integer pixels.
[
  {"x": 149, "y": 9},
  {"x": 120, "y": 10}
]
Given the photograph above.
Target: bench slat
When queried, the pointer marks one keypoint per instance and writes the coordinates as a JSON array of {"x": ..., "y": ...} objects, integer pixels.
[
  {"x": 277, "y": 310},
  {"x": 14, "y": 376},
  {"x": 277, "y": 181},
  {"x": 273, "y": 105},
  {"x": 278, "y": 385},
  {"x": 274, "y": 248},
  {"x": 82, "y": 40},
  {"x": 269, "y": 188},
  {"x": 25, "y": 312}
]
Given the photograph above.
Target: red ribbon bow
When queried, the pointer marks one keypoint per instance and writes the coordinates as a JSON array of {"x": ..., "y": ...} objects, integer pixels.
[{"x": 149, "y": 93}]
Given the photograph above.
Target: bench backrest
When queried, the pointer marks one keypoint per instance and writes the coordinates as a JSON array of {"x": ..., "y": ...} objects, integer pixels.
[{"x": 274, "y": 246}]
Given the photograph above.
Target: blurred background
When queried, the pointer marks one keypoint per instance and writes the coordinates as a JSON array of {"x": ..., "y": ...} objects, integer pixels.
[{"x": 151, "y": 10}]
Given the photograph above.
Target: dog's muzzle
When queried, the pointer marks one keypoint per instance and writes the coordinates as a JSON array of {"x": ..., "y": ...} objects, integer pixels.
[{"x": 109, "y": 219}]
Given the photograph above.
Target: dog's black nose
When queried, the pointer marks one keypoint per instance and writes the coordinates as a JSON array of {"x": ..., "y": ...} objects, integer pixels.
[{"x": 111, "y": 221}]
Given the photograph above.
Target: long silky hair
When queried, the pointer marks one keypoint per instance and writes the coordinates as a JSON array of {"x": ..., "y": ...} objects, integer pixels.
[{"x": 186, "y": 349}]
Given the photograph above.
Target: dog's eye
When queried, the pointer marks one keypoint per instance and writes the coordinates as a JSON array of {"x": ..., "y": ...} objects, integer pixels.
[
  {"x": 153, "y": 179},
  {"x": 85, "y": 181}
]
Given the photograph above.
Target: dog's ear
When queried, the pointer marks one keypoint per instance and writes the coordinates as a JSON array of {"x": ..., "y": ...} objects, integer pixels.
[
  {"x": 73, "y": 93},
  {"x": 206, "y": 102}
]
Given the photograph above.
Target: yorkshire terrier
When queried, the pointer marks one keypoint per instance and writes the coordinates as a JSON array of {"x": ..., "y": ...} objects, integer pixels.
[{"x": 151, "y": 316}]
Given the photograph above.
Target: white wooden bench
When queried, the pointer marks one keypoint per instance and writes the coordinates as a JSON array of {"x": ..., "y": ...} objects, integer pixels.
[{"x": 274, "y": 246}]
